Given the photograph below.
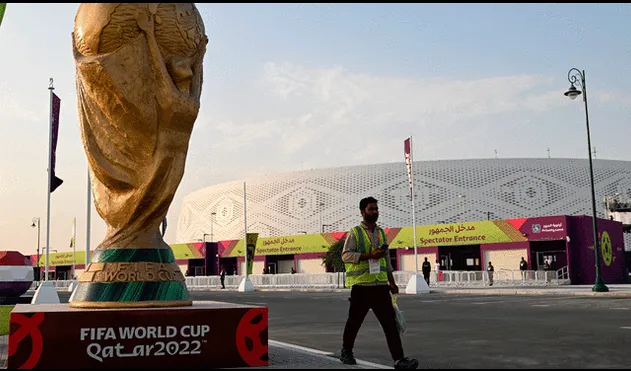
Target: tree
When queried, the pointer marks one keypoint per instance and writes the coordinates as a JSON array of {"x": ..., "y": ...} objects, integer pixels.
[{"x": 333, "y": 258}]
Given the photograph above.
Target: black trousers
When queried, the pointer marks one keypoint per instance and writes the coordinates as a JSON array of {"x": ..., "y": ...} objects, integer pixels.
[
  {"x": 377, "y": 298},
  {"x": 222, "y": 281},
  {"x": 426, "y": 276}
]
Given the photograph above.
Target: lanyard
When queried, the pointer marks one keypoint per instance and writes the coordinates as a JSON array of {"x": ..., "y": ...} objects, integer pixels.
[{"x": 370, "y": 237}]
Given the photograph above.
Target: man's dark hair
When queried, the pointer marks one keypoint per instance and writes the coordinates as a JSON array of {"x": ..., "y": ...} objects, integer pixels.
[{"x": 363, "y": 204}]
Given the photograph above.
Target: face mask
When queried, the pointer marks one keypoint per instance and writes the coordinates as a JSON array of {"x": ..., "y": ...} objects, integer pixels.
[{"x": 371, "y": 218}]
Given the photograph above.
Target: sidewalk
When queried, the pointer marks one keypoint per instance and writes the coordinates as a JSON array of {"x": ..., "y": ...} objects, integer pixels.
[{"x": 615, "y": 290}]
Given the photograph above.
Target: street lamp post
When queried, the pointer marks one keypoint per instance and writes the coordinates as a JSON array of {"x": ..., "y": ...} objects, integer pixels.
[
  {"x": 36, "y": 224},
  {"x": 321, "y": 204},
  {"x": 575, "y": 76},
  {"x": 212, "y": 219}
]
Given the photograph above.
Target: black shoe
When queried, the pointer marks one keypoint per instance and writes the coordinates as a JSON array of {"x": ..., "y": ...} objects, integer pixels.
[
  {"x": 347, "y": 357},
  {"x": 406, "y": 364}
]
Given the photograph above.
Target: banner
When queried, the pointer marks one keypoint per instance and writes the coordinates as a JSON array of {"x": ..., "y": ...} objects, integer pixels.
[
  {"x": 74, "y": 232},
  {"x": 468, "y": 233},
  {"x": 251, "y": 249},
  {"x": 3, "y": 7},
  {"x": 54, "y": 181},
  {"x": 297, "y": 244},
  {"x": 407, "y": 151}
]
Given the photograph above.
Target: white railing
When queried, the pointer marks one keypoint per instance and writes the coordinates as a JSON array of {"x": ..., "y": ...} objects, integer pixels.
[{"x": 501, "y": 277}]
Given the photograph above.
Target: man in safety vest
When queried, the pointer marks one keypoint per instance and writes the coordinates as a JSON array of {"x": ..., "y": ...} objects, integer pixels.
[{"x": 369, "y": 275}]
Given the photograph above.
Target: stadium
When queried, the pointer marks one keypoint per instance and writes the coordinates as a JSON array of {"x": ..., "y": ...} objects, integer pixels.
[
  {"x": 298, "y": 215},
  {"x": 449, "y": 191}
]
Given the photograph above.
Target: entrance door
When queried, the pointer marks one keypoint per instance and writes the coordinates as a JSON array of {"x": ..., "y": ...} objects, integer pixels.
[
  {"x": 445, "y": 262},
  {"x": 271, "y": 268},
  {"x": 551, "y": 256}
]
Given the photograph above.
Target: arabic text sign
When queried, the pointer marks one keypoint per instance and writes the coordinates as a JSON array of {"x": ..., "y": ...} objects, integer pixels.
[
  {"x": 62, "y": 258},
  {"x": 300, "y": 244},
  {"x": 452, "y": 234}
]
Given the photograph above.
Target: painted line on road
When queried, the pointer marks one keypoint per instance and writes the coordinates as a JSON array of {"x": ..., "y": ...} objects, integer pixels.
[
  {"x": 619, "y": 308},
  {"x": 250, "y": 303},
  {"x": 541, "y": 305},
  {"x": 298, "y": 347},
  {"x": 321, "y": 353},
  {"x": 626, "y": 327}
]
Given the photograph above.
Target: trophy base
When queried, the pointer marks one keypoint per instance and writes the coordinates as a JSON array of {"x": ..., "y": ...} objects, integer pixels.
[
  {"x": 206, "y": 335},
  {"x": 130, "y": 304},
  {"x": 131, "y": 278}
]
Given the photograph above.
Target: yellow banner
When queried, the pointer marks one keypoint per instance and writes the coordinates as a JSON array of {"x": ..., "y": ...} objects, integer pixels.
[
  {"x": 62, "y": 258},
  {"x": 185, "y": 251},
  {"x": 470, "y": 233},
  {"x": 299, "y": 244}
]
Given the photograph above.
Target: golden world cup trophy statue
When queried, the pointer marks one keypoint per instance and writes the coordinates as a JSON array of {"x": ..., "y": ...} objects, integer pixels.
[{"x": 139, "y": 80}]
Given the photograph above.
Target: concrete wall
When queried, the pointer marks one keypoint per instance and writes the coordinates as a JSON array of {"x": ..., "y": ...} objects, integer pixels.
[
  {"x": 504, "y": 255},
  {"x": 313, "y": 265},
  {"x": 284, "y": 266},
  {"x": 257, "y": 267},
  {"x": 407, "y": 262}
]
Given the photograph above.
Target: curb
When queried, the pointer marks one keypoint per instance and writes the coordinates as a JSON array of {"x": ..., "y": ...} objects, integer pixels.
[
  {"x": 533, "y": 292},
  {"x": 498, "y": 291}
]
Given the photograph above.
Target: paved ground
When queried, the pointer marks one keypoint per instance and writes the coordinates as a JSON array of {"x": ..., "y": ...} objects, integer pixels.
[
  {"x": 462, "y": 331},
  {"x": 455, "y": 330}
]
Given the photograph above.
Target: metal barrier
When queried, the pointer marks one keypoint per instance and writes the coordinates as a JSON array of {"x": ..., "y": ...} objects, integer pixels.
[{"x": 501, "y": 277}]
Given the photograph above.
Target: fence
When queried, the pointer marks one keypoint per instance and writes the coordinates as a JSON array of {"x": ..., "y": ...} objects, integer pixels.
[{"x": 502, "y": 277}]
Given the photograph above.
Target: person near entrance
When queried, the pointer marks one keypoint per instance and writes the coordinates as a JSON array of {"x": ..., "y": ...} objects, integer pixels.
[
  {"x": 369, "y": 275},
  {"x": 523, "y": 267},
  {"x": 426, "y": 268},
  {"x": 222, "y": 277},
  {"x": 490, "y": 270}
]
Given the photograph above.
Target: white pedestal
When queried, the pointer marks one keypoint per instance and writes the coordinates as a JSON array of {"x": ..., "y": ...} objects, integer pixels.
[
  {"x": 246, "y": 285},
  {"x": 45, "y": 294},
  {"x": 72, "y": 286},
  {"x": 417, "y": 285}
]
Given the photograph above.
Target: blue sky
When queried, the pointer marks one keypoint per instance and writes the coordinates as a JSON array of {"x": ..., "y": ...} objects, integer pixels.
[{"x": 299, "y": 86}]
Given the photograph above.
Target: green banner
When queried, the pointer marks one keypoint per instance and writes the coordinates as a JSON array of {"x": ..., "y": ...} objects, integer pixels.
[
  {"x": 252, "y": 238},
  {"x": 3, "y": 7}
]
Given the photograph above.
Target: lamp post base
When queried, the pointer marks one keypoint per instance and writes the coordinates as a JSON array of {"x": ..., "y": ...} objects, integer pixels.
[{"x": 600, "y": 287}]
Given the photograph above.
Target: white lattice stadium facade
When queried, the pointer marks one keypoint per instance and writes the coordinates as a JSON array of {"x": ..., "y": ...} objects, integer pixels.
[{"x": 445, "y": 191}]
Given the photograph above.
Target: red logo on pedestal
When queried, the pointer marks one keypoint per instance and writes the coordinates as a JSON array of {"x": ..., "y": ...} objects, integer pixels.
[
  {"x": 249, "y": 344},
  {"x": 29, "y": 327}
]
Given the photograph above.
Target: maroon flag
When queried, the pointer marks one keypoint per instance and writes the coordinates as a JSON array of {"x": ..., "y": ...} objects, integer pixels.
[
  {"x": 54, "y": 181},
  {"x": 407, "y": 150}
]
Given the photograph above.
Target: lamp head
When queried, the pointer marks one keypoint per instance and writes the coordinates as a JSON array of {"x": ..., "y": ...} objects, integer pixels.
[{"x": 572, "y": 92}]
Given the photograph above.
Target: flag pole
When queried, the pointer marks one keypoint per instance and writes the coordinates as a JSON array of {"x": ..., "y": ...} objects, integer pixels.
[
  {"x": 50, "y": 178},
  {"x": 46, "y": 292},
  {"x": 416, "y": 284},
  {"x": 413, "y": 211},
  {"x": 245, "y": 284},
  {"x": 245, "y": 232},
  {"x": 74, "y": 251},
  {"x": 87, "y": 227}
]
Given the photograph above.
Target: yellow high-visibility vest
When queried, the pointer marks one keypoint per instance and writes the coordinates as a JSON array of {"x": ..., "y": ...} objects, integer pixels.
[{"x": 360, "y": 272}]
